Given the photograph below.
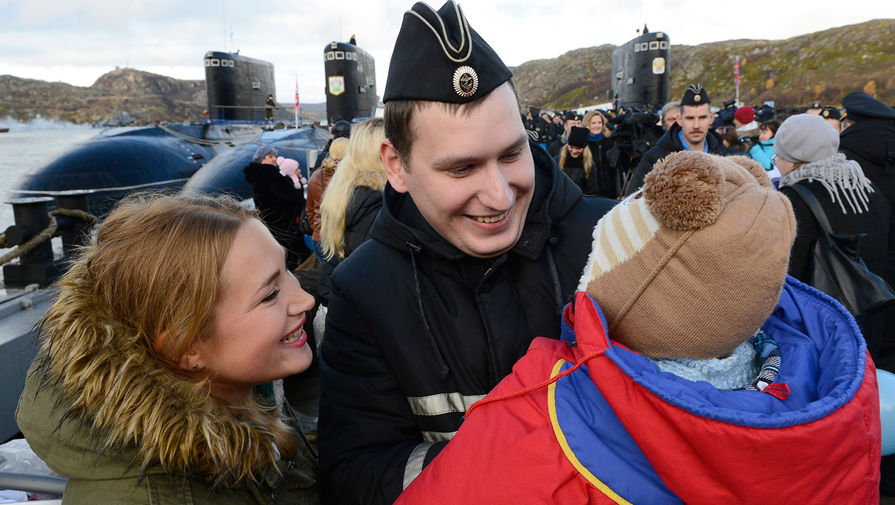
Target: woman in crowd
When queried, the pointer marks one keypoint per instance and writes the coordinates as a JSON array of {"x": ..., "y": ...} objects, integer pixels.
[
  {"x": 763, "y": 151},
  {"x": 577, "y": 161},
  {"x": 806, "y": 154},
  {"x": 352, "y": 199},
  {"x": 153, "y": 380},
  {"x": 279, "y": 202},
  {"x": 599, "y": 141},
  {"x": 318, "y": 183}
]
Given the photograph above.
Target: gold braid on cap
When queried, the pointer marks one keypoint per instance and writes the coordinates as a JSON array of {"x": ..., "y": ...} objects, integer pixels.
[{"x": 465, "y": 36}]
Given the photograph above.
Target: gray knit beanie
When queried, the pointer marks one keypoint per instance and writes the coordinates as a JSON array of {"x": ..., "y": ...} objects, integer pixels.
[{"x": 805, "y": 138}]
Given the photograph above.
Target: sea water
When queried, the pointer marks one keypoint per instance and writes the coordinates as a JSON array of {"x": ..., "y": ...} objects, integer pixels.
[{"x": 28, "y": 146}]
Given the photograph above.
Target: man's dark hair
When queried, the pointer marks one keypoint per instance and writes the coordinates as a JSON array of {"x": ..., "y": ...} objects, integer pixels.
[{"x": 399, "y": 114}]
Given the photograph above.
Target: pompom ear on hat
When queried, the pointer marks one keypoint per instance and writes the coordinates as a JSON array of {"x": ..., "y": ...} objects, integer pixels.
[{"x": 692, "y": 265}]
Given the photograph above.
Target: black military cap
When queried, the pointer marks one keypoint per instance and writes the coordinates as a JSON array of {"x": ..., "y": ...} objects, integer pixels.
[
  {"x": 695, "y": 95},
  {"x": 860, "y": 105},
  {"x": 816, "y": 105},
  {"x": 830, "y": 112},
  {"x": 438, "y": 57}
]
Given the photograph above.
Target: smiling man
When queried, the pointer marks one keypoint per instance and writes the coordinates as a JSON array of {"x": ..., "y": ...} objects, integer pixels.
[
  {"x": 478, "y": 246},
  {"x": 691, "y": 132}
]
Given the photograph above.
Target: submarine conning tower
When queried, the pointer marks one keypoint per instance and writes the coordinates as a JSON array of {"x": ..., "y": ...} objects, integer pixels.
[
  {"x": 350, "y": 82},
  {"x": 640, "y": 67},
  {"x": 237, "y": 86}
]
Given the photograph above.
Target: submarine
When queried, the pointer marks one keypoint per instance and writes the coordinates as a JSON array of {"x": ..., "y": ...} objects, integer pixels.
[
  {"x": 641, "y": 77},
  {"x": 350, "y": 82},
  {"x": 119, "y": 161}
]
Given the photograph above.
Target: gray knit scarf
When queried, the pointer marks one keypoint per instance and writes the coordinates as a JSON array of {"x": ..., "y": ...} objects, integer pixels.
[{"x": 841, "y": 176}]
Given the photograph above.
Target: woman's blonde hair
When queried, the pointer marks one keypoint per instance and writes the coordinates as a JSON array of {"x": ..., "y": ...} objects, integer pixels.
[
  {"x": 336, "y": 153},
  {"x": 148, "y": 285},
  {"x": 587, "y": 117},
  {"x": 587, "y": 161},
  {"x": 361, "y": 166}
]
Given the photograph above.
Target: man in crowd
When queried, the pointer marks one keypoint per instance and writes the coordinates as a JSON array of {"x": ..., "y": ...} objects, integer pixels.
[
  {"x": 832, "y": 116},
  {"x": 870, "y": 140},
  {"x": 478, "y": 246},
  {"x": 692, "y": 132},
  {"x": 671, "y": 112}
]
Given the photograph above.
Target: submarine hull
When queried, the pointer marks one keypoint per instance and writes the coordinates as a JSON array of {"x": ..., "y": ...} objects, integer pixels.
[
  {"x": 350, "y": 82},
  {"x": 641, "y": 78},
  {"x": 237, "y": 86}
]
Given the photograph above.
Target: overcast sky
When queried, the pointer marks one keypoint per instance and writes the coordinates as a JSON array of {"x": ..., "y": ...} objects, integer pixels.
[{"x": 76, "y": 41}]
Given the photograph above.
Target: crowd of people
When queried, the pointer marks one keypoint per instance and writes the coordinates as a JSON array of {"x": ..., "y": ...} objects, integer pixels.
[{"x": 614, "y": 307}]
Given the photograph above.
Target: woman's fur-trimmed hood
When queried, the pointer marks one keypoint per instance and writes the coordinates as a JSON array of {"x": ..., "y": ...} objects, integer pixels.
[{"x": 112, "y": 398}]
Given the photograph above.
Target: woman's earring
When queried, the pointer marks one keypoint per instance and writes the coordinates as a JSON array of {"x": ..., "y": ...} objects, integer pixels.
[{"x": 195, "y": 367}]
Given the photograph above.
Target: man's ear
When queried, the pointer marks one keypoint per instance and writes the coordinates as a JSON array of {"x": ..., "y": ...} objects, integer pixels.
[{"x": 394, "y": 168}]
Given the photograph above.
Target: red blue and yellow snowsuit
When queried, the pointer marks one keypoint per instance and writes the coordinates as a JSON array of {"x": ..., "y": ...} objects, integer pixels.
[{"x": 615, "y": 429}]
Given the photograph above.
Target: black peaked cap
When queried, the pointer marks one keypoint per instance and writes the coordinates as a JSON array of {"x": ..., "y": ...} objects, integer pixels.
[
  {"x": 439, "y": 57},
  {"x": 860, "y": 105}
]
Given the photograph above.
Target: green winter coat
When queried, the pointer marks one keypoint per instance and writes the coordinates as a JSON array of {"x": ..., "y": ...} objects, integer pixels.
[{"x": 101, "y": 411}]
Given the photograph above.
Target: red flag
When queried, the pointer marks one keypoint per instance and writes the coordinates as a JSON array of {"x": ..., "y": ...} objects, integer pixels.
[{"x": 297, "y": 105}]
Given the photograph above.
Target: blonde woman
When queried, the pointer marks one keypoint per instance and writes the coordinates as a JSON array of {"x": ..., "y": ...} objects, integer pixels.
[
  {"x": 319, "y": 181},
  {"x": 576, "y": 160},
  {"x": 152, "y": 382},
  {"x": 352, "y": 199},
  {"x": 599, "y": 140}
]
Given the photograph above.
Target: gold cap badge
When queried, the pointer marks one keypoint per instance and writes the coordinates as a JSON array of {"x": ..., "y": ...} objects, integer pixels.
[{"x": 466, "y": 81}]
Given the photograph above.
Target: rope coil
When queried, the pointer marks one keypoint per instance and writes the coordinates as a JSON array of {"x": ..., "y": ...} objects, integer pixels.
[{"x": 48, "y": 233}]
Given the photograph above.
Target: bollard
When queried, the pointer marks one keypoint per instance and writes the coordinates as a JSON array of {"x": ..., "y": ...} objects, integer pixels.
[
  {"x": 74, "y": 232},
  {"x": 36, "y": 266}
]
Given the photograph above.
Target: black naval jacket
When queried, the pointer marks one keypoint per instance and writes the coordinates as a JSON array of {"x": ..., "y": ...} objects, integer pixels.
[
  {"x": 871, "y": 142},
  {"x": 667, "y": 144},
  {"x": 417, "y": 331}
]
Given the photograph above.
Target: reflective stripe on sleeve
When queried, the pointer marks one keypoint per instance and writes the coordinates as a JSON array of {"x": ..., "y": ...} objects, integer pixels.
[
  {"x": 415, "y": 462},
  {"x": 442, "y": 403},
  {"x": 438, "y": 436}
]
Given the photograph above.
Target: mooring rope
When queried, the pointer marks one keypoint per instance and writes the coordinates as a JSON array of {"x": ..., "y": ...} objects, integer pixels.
[{"x": 48, "y": 233}]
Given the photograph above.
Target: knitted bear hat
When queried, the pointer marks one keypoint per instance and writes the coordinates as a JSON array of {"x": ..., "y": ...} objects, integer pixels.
[{"x": 693, "y": 264}]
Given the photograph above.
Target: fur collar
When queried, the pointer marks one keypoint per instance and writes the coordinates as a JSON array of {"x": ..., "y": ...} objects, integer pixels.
[{"x": 119, "y": 393}]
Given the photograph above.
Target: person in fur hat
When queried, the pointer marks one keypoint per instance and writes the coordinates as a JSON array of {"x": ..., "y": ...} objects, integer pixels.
[
  {"x": 152, "y": 383},
  {"x": 691, "y": 369}
]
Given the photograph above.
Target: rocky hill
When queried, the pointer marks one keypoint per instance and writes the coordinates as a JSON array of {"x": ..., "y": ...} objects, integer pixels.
[
  {"x": 822, "y": 66},
  {"x": 122, "y": 95}
]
